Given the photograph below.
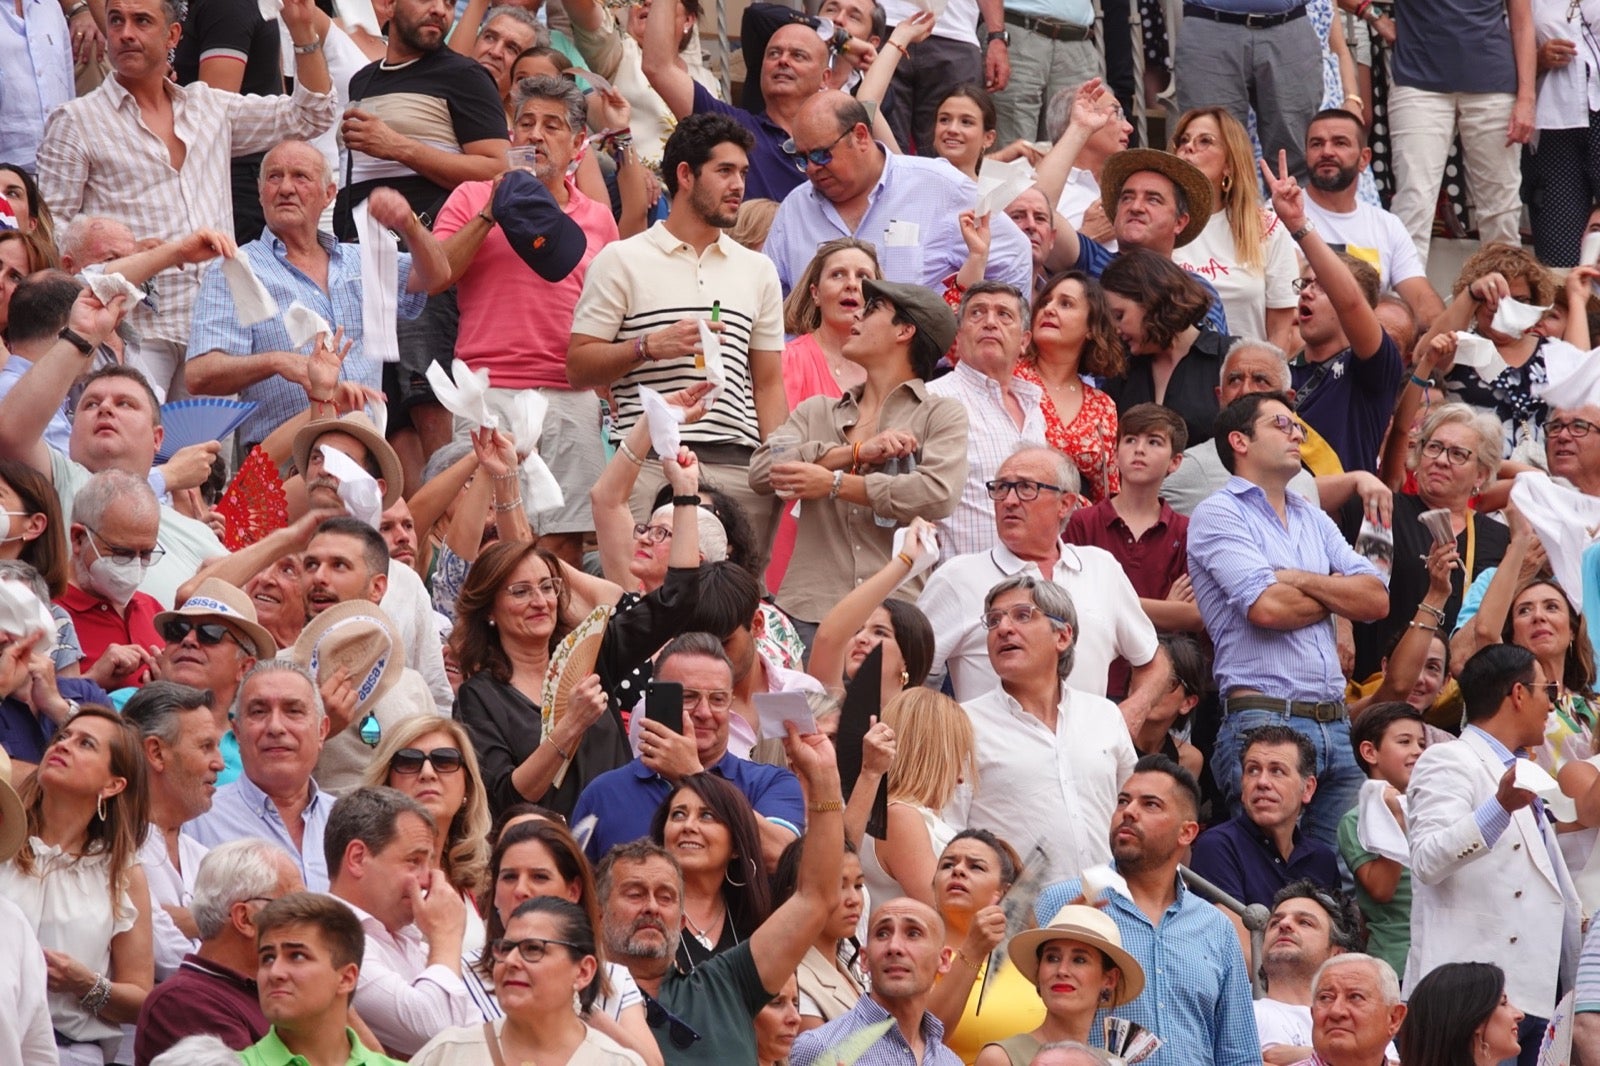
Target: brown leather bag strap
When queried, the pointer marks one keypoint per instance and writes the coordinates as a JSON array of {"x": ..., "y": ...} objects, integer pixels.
[{"x": 492, "y": 1042}]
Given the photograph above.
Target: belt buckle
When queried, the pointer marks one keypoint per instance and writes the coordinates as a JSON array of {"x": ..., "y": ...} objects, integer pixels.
[
  {"x": 1323, "y": 713},
  {"x": 1255, "y": 20}
]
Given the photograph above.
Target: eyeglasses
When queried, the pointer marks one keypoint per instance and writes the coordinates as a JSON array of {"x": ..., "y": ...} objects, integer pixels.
[
  {"x": 1020, "y": 613},
  {"x": 409, "y": 760},
  {"x": 549, "y": 588},
  {"x": 1300, "y": 285},
  {"x": 652, "y": 534},
  {"x": 718, "y": 699},
  {"x": 1025, "y": 490},
  {"x": 1285, "y": 425},
  {"x": 1457, "y": 456},
  {"x": 146, "y": 556},
  {"x": 533, "y": 949},
  {"x": 678, "y": 1030},
  {"x": 1200, "y": 141},
  {"x": 1577, "y": 427},
  {"x": 208, "y": 633},
  {"x": 816, "y": 157}
]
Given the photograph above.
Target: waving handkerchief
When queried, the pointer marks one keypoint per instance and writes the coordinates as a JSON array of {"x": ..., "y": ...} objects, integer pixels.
[
  {"x": 1514, "y": 318},
  {"x": 252, "y": 303},
  {"x": 930, "y": 551},
  {"x": 1475, "y": 351},
  {"x": 1567, "y": 522},
  {"x": 1101, "y": 879},
  {"x": 380, "y": 416},
  {"x": 1572, "y": 376},
  {"x": 1376, "y": 827},
  {"x": 304, "y": 325},
  {"x": 663, "y": 420},
  {"x": 357, "y": 488},
  {"x": 380, "y": 283},
  {"x": 1536, "y": 779},
  {"x": 464, "y": 394},
  {"x": 107, "y": 287},
  {"x": 21, "y": 613},
  {"x": 539, "y": 485},
  {"x": 711, "y": 360},
  {"x": 1000, "y": 183},
  {"x": 270, "y": 9}
]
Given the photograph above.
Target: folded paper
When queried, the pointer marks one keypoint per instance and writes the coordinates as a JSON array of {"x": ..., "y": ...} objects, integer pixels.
[
  {"x": 1513, "y": 318},
  {"x": 252, "y": 303},
  {"x": 591, "y": 77},
  {"x": 380, "y": 284},
  {"x": 526, "y": 417},
  {"x": 663, "y": 420},
  {"x": 464, "y": 393},
  {"x": 930, "y": 550},
  {"x": 1000, "y": 183},
  {"x": 775, "y": 708},
  {"x": 107, "y": 287},
  {"x": 1437, "y": 523},
  {"x": 712, "y": 362},
  {"x": 304, "y": 325},
  {"x": 1098, "y": 880},
  {"x": 900, "y": 234},
  {"x": 1376, "y": 826},
  {"x": 1536, "y": 779},
  {"x": 357, "y": 488}
]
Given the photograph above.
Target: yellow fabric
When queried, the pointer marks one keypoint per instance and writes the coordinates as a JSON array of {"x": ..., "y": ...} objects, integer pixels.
[
  {"x": 1011, "y": 1006},
  {"x": 1317, "y": 455}
]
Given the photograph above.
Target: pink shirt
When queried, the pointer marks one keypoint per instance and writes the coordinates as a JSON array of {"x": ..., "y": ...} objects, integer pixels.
[
  {"x": 515, "y": 324},
  {"x": 805, "y": 371}
]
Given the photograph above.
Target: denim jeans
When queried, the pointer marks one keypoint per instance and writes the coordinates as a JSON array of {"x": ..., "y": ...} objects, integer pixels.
[{"x": 1339, "y": 777}]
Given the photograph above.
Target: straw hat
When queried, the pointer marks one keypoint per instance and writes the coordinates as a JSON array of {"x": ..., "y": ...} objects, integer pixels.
[
  {"x": 359, "y": 426},
  {"x": 216, "y": 600},
  {"x": 13, "y": 819},
  {"x": 357, "y": 635},
  {"x": 1086, "y": 925},
  {"x": 1182, "y": 173}
]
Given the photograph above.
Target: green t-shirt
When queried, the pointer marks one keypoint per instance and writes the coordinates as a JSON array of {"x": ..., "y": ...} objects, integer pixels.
[
  {"x": 1388, "y": 924},
  {"x": 718, "y": 1000},
  {"x": 269, "y": 1051}
]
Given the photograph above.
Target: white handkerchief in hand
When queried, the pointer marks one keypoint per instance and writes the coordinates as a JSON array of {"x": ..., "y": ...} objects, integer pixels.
[
  {"x": 1572, "y": 376},
  {"x": 380, "y": 284},
  {"x": 304, "y": 325},
  {"x": 775, "y": 708},
  {"x": 1098, "y": 880},
  {"x": 270, "y": 9},
  {"x": 357, "y": 488},
  {"x": 1566, "y": 522},
  {"x": 1474, "y": 351},
  {"x": 539, "y": 487},
  {"x": 107, "y": 287},
  {"x": 1000, "y": 183},
  {"x": 663, "y": 420},
  {"x": 930, "y": 551},
  {"x": 464, "y": 394},
  {"x": 716, "y": 370},
  {"x": 902, "y": 234},
  {"x": 380, "y": 415},
  {"x": 21, "y": 613},
  {"x": 1376, "y": 827},
  {"x": 1514, "y": 318},
  {"x": 252, "y": 303},
  {"x": 1536, "y": 779}
]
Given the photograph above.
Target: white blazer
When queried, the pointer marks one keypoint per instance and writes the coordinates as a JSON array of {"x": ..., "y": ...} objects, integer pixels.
[{"x": 1513, "y": 904}]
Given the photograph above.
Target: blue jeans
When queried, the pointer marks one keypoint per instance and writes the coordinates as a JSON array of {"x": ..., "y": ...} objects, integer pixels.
[{"x": 1339, "y": 777}]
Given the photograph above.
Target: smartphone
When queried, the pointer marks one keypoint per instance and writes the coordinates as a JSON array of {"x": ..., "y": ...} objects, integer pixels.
[{"x": 663, "y": 702}]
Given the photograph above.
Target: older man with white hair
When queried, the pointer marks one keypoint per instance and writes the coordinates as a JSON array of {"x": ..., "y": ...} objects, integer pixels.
[{"x": 1355, "y": 1011}]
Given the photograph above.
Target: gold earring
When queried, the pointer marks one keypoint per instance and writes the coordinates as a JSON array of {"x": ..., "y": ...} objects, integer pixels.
[
  {"x": 905, "y": 679},
  {"x": 100, "y": 807}
]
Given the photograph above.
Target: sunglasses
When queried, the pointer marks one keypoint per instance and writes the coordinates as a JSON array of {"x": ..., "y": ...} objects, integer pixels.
[
  {"x": 208, "y": 633},
  {"x": 410, "y": 760},
  {"x": 678, "y": 1030},
  {"x": 817, "y": 157}
]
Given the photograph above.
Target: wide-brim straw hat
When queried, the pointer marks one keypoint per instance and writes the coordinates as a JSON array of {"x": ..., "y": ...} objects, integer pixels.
[
  {"x": 359, "y": 426},
  {"x": 357, "y": 635},
  {"x": 216, "y": 600},
  {"x": 1085, "y": 925},
  {"x": 1185, "y": 175}
]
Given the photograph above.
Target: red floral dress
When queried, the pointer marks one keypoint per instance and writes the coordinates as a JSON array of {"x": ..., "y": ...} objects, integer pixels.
[{"x": 1090, "y": 440}]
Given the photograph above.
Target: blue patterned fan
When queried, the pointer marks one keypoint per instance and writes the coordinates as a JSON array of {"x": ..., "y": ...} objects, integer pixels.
[{"x": 199, "y": 420}]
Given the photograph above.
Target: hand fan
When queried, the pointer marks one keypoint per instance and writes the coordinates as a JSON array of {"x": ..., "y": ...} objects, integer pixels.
[
  {"x": 571, "y": 662},
  {"x": 199, "y": 420},
  {"x": 254, "y": 504}
]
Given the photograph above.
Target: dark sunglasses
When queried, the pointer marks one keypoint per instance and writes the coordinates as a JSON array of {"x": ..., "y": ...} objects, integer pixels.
[
  {"x": 410, "y": 760},
  {"x": 678, "y": 1030},
  {"x": 210, "y": 633}
]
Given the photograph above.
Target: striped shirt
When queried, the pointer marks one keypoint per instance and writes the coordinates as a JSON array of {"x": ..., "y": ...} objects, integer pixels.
[
  {"x": 99, "y": 158},
  {"x": 652, "y": 280},
  {"x": 891, "y": 1049}
]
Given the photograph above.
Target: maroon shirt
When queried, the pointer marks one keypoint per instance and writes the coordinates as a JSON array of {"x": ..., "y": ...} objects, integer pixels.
[
  {"x": 201, "y": 997},
  {"x": 1152, "y": 562}
]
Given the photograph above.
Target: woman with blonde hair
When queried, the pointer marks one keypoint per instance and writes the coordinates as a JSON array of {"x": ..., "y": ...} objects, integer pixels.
[
  {"x": 431, "y": 759},
  {"x": 819, "y": 312},
  {"x": 1243, "y": 251},
  {"x": 925, "y": 744},
  {"x": 753, "y": 223}
]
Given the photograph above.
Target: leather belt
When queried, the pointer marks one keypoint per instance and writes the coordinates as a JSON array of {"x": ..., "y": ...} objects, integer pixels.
[
  {"x": 1053, "y": 29},
  {"x": 1240, "y": 18},
  {"x": 1324, "y": 712}
]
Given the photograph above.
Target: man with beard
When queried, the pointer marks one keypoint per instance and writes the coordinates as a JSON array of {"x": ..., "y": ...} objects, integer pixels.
[
  {"x": 1309, "y": 925},
  {"x": 512, "y": 320},
  {"x": 638, "y": 320},
  {"x": 1197, "y": 992},
  {"x": 1336, "y": 154}
]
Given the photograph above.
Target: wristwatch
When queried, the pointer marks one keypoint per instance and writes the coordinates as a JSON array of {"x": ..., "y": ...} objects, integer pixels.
[
  {"x": 77, "y": 340},
  {"x": 314, "y": 45},
  {"x": 1003, "y": 36}
]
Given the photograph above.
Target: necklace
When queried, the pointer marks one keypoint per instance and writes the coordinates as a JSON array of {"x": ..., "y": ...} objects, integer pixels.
[{"x": 703, "y": 935}]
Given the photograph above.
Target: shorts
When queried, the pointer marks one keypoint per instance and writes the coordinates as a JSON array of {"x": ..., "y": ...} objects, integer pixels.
[
  {"x": 427, "y": 339},
  {"x": 571, "y": 446}
]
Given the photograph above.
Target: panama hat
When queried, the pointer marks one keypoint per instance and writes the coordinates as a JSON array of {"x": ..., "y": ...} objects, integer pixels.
[
  {"x": 1185, "y": 175},
  {"x": 357, "y": 635},
  {"x": 1086, "y": 925},
  {"x": 359, "y": 426},
  {"x": 13, "y": 819},
  {"x": 215, "y": 599}
]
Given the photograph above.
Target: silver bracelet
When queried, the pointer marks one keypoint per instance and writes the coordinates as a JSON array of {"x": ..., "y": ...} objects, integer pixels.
[{"x": 97, "y": 997}]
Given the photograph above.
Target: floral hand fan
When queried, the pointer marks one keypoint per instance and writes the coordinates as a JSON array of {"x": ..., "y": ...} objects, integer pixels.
[{"x": 571, "y": 662}]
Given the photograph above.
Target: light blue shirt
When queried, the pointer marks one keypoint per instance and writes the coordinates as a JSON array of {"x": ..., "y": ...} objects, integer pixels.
[
  {"x": 243, "y": 810},
  {"x": 37, "y": 60},
  {"x": 1493, "y": 820},
  {"x": 1076, "y": 12},
  {"x": 1236, "y": 545},
  {"x": 891, "y": 1049},
  {"x": 1196, "y": 994},
  {"x": 216, "y": 325},
  {"x": 929, "y": 193},
  {"x": 58, "y": 434}
]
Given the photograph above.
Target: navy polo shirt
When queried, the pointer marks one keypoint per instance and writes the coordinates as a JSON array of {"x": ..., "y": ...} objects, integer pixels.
[
  {"x": 1094, "y": 257},
  {"x": 1349, "y": 400},
  {"x": 773, "y": 174},
  {"x": 1239, "y": 858}
]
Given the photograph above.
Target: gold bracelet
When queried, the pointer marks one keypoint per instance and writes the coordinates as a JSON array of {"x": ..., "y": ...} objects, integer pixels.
[
  {"x": 962, "y": 956},
  {"x": 904, "y": 558},
  {"x": 564, "y": 756},
  {"x": 509, "y": 505},
  {"x": 825, "y": 808}
]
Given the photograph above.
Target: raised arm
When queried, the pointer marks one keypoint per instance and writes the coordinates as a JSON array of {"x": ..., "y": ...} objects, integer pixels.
[
  {"x": 1411, "y": 651},
  {"x": 1090, "y": 113},
  {"x": 1487, "y": 625},
  {"x": 876, "y": 79},
  {"x": 660, "y": 62},
  {"x": 201, "y": 246},
  {"x": 831, "y": 646},
  {"x": 26, "y": 410},
  {"x": 431, "y": 264}
]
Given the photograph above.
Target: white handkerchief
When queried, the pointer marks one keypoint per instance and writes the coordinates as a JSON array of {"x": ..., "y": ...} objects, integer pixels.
[
  {"x": 591, "y": 77},
  {"x": 1536, "y": 779},
  {"x": 663, "y": 420},
  {"x": 304, "y": 325},
  {"x": 1589, "y": 251},
  {"x": 107, "y": 287},
  {"x": 1572, "y": 376},
  {"x": 252, "y": 303},
  {"x": 357, "y": 488},
  {"x": 1376, "y": 828},
  {"x": 1098, "y": 880},
  {"x": 21, "y": 613},
  {"x": 1514, "y": 318},
  {"x": 270, "y": 9},
  {"x": 539, "y": 486},
  {"x": 380, "y": 415},
  {"x": 1566, "y": 521},
  {"x": 380, "y": 283},
  {"x": 1474, "y": 351},
  {"x": 902, "y": 234},
  {"x": 774, "y": 708},
  {"x": 930, "y": 551},
  {"x": 464, "y": 394},
  {"x": 716, "y": 371},
  {"x": 1000, "y": 183}
]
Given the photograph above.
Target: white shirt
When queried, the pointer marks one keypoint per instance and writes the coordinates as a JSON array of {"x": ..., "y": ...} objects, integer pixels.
[
  {"x": 742, "y": 736},
  {"x": 170, "y": 887},
  {"x": 1081, "y": 190},
  {"x": 1567, "y": 94},
  {"x": 406, "y": 603},
  {"x": 25, "y": 1034},
  {"x": 1026, "y": 770},
  {"x": 993, "y": 437},
  {"x": 958, "y": 23},
  {"x": 1373, "y": 236},
  {"x": 402, "y": 999},
  {"x": 1246, "y": 294},
  {"x": 1110, "y": 621},
  {"x": 36, "y": 44}
]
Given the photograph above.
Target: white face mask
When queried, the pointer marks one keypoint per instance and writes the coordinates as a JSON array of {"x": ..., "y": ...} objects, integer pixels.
[
  {"x": 9, "y": 516},
  {"x": 115, "y": 579}
]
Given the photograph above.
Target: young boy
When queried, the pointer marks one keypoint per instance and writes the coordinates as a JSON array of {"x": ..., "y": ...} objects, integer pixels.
[
  {"x": 309, "y": 949},
  {"x": 1387, "y": 738}
]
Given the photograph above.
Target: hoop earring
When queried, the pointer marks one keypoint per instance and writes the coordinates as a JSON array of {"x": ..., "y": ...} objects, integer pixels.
[
  {"x": 728, "y": 876},
  {"x": 100, "y": 807},
  {"x": 1227, "y": 183}
]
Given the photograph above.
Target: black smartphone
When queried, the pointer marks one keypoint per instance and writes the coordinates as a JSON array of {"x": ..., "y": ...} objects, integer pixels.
[{"x": 663, "y": 702}]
